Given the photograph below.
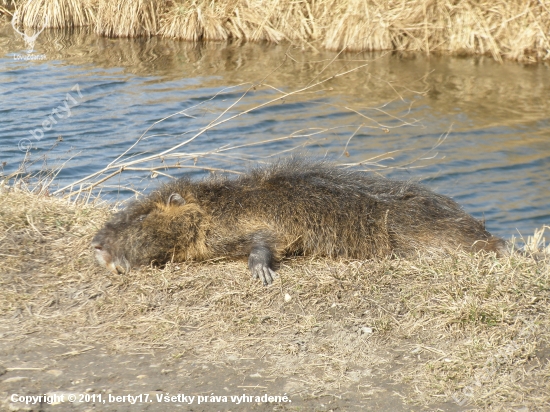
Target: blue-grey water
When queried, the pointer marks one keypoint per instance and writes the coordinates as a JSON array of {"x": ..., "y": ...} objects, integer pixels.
[{"x": 470, "y": 128}]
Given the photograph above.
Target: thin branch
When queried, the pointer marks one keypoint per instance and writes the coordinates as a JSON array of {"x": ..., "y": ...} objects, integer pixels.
[{"x": 202, "y": 131}]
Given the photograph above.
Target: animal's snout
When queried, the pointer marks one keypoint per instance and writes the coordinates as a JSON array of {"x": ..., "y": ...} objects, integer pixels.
[{"x": 105, "y": 258}]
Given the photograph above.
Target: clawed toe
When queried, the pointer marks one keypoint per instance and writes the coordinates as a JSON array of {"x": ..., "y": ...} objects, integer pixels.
[{"x": 265, "y": 274}]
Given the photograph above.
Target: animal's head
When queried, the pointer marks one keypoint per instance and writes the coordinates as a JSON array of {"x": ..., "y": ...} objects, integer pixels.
[{"x": 163, "y": 227}]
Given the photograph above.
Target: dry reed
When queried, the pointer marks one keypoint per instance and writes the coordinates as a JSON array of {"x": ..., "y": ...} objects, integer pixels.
[
  {"x": 517, "y": 29},
  {"x": 56, "y": 13},
  {"x": 127, "y": 18},
  {"x": 176, "y": 157}
]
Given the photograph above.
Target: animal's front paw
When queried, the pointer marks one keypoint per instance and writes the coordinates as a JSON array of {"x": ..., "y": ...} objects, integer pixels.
[
  {"x": 264, "y": 273},
  {"x": 259, "y": 262}
]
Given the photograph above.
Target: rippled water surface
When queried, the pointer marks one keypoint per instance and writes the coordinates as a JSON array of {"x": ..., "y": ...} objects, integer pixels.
[{"x": 471, "y": 128}]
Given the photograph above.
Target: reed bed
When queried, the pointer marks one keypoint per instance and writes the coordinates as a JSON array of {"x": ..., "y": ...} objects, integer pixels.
[
  {"x": 127, "y": 18},
  {"x": 55, "y": 13},
  {"x": 517, "y": 29}
]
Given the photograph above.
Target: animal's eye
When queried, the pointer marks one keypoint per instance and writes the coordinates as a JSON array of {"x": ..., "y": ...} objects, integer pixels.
[{"x": 140, "y": 219}]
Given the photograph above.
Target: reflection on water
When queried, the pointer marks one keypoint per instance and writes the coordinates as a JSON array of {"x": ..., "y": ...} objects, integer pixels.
[{"x": 495, "y": 160}]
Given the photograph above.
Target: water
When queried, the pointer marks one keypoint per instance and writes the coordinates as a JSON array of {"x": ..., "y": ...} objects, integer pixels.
[{"x": 469, "y": 128}]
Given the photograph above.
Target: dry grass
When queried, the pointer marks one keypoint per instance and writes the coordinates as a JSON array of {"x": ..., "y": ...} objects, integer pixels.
[
  {"x": 56, "y": 13},
  {"x": 516, "y": 29},
  {"x": 194, "y": 22},
  {"x": 127, "y": 18},
  {"x": 467, "y": 329}
]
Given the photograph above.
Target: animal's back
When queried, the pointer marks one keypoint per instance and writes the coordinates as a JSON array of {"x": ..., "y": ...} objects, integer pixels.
[{"x": 316, "y": 208}]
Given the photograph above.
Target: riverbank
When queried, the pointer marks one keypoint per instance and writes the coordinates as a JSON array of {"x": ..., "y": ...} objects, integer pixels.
[
  {"x": 515, "y": 30},
  {"x": 464, "y": 330}
]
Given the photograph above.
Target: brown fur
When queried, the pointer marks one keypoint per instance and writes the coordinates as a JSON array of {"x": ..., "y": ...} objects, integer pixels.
[{"x": 293, "y": 207}]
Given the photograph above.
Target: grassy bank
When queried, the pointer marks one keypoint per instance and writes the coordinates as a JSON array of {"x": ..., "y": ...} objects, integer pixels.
[
  {"x": 516, "y": 29},
  {"x": 468, "y": 330}
]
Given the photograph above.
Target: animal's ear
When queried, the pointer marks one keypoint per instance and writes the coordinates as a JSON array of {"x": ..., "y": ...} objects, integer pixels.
[{"x": 175, "y": 200}]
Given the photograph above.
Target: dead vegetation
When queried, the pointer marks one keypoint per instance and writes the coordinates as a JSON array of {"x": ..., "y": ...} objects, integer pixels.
[
  {"x": 55, "y": 13},
  {"x": 516, "y": 30},
  {"x": 472, "y": 330}
]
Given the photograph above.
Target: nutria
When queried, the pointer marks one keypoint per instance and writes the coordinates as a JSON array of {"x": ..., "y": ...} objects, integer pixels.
[{"x": 291, "y": 207}]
